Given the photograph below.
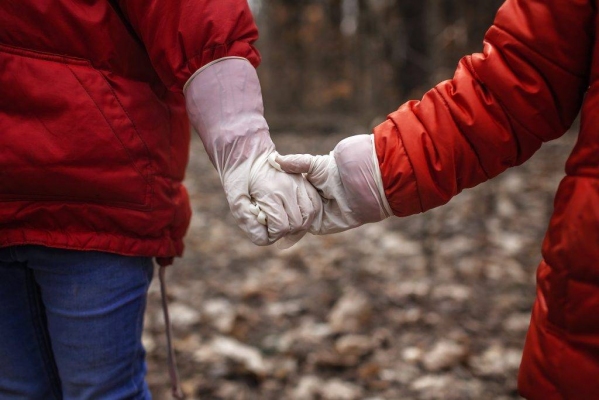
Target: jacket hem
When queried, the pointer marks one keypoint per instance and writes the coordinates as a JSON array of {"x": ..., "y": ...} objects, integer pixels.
[{"x": 164, "y": 247}]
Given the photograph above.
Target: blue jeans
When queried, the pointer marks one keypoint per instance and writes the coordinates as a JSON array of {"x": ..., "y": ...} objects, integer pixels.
[{"x": 71, "y": 324}]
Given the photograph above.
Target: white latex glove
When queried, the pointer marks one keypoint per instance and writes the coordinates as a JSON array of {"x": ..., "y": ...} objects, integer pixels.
[
  {"x": 224, "y": 103},
  {"x": 349, "y": 181}
]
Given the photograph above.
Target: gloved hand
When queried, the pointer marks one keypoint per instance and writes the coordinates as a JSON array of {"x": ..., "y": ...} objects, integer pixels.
[
  {"x": 349, "y": 181},
  {"x": 224, "y": 104}
]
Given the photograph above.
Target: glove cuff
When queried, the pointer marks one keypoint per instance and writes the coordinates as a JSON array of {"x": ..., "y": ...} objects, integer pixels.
[
  {"x": 224, "y": 104},
  {"x": 360, "y": 175},
  {"x": 192, "y": 77},
  {"x": 378, "y": 180}
]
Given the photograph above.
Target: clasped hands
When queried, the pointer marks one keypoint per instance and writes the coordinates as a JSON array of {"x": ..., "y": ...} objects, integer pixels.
[
  {"x": 347, "y": 181},
  {"x": 272, "y": 197}
]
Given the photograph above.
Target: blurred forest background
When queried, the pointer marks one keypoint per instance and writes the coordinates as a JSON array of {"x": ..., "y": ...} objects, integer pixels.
[
  {"x": 433, "y": 306},
  {"x": 360, "y": 59}
]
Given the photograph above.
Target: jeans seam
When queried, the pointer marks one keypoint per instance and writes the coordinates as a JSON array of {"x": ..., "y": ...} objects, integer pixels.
[
  {"x": 139, "y": 329},
  {"x": 45, "y": 347}
]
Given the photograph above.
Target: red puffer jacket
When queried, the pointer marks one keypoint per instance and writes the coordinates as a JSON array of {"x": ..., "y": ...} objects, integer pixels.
[
  {"x": 93, "y": 130},
  {"x": 539, "y": 67}
]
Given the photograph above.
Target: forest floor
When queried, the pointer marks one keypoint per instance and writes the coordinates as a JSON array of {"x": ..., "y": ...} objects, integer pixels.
[{"x": 433, "y": 306}]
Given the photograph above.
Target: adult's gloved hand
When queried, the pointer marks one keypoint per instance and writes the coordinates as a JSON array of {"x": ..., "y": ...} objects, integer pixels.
[
  {"x": 349, "y": 181},
  {"x": 224, "y": 103}
]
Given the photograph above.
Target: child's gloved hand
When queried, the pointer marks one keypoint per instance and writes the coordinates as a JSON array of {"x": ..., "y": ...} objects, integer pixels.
[{"x": 348, "y": 180}]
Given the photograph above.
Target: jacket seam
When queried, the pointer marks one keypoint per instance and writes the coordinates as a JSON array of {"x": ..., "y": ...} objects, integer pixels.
[
  {"x": 105, "y": 119},
  {"x": 147, "y": 202},
  {"x": 197, "y": 54},
  {"x": 93, "y": 248},
  {"x": 149, "y": 170},
  {"x": 66, "y": 59},
  {"x": 68, "y": 199},
  {"x": 114, "y": 94},
  {"x": 43, "y": 55}
]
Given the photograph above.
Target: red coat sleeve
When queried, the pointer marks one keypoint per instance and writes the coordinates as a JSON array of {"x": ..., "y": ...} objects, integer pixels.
[
  {"x": 525, "y": 88},
  {"x": 181, "y": 36}
]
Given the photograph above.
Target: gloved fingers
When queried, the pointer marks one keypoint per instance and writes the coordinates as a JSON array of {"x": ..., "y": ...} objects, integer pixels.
[
  {"x": 308, "y": 199},
  {"x": 260, "y": 215},
  {"x": 244, "y": 212},
  {"x": 332, "y": 220},
  {"x": 272, "y": 160},
  {"x": 309, "y": 202},
  {"x": 304, "y": 208},
  {"x": 289, "y": 200},
  {"x": 309, "y": 205},
  {"x": 324, "y": 176},
  {"x": 264, "y": 227},
  {"x": 311, "y": 208},
  {"x": 289, "y": 207},
  {"x": 320, "y": 171},
  {"x": 293, "y": 163},
  {"x": 282, "y": 217}
]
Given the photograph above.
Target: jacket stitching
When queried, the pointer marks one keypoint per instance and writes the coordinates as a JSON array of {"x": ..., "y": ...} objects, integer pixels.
[
  {"x": 69, "y": 199},
  {"x": 128, "y": 117},
  {"x": 40, "y": 55},
  {"x": 150, "y": 189},
  {"x": 112, "y": 129},
  {"x": 200, "y": 53},
  {"x": 162, "y": 248}
]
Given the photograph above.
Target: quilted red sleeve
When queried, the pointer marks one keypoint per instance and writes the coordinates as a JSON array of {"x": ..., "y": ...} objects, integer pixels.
[
  {"x": 525, "y": 88},
  {"x": 181, "y": 36}
]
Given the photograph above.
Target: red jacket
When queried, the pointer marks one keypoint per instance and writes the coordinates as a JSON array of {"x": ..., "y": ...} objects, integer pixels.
[
  {"x": 539, "y": 67},
  {"x": 93, "y": 131}
]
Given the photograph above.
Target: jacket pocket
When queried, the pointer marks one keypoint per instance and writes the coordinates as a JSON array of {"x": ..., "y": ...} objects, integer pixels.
[{"x": 65, "y": 136}]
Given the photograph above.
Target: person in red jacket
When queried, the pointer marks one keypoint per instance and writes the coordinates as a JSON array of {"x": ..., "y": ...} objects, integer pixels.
[
  {"x": 94, "y": 141},
  {"x": 538, "y": 69}
]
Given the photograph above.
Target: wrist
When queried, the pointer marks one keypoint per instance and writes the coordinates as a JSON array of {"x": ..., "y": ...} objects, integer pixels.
[{"x": 361, "y": 178}]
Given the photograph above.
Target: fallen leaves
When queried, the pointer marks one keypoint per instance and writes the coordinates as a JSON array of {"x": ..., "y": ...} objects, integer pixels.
[{"x": 433, "y": 306}]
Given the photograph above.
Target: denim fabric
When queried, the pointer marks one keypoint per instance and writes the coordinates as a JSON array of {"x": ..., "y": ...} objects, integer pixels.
[{"x": 71, "y": 324}]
